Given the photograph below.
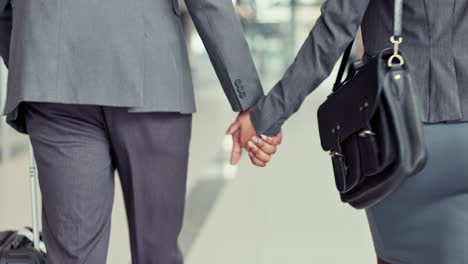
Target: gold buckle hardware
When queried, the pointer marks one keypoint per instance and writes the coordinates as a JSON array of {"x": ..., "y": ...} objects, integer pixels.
[
  {"x": 395, "y": 55},
  {"x": 335, "y": 154},
  {"x": 366, "y": 133}
]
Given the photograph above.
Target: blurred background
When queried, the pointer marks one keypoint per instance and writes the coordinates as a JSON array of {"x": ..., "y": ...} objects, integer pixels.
[{"x": 288, "y": 212}]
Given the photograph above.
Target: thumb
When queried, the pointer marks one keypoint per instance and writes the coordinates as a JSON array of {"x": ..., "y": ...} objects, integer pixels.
[
  {"x": 233, "y": 128},
  {"x": 236, "y": 153}
]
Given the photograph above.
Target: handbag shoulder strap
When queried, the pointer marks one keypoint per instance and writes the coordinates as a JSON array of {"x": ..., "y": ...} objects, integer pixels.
[
  {"x": 397, "y": 18},
  {"x": 344, "y": 62},
  {"x": 397, "y": 31}
]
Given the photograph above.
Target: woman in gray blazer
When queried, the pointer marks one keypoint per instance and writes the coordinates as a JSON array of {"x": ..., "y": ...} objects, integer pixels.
[{"x": 426, "y": 220}]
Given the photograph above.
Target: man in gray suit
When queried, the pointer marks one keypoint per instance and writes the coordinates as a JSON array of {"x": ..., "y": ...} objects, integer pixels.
[{"x": 105, "y": 85}]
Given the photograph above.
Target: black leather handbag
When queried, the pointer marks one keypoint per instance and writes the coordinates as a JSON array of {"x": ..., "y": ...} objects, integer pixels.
[{"x": 371, "y": 125}]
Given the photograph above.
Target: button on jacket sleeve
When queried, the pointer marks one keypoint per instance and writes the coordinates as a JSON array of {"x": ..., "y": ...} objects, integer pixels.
[
  {"x": 5, "y": 29},
  {"x": 221, "y": 32},
  {"x": 333, "y": 31}
]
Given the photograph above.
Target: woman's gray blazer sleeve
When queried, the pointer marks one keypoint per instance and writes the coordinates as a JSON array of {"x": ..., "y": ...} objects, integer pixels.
[
  {"x": 5, "y": 29},
  {"x": 221, "y": 32},
  {"x": 333, "y": 31}
]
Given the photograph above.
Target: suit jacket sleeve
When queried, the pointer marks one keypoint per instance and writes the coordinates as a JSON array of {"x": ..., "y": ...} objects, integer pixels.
[
  {"x": 221, "y": 32},
  {"x": 5, "y": 29},
  {"x": 333, "y": 31}
]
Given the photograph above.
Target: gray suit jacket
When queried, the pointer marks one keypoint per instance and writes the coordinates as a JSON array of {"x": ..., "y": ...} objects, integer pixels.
[
  {"x": 120, "y": 53},
  {"x": 435, "y": 37}
]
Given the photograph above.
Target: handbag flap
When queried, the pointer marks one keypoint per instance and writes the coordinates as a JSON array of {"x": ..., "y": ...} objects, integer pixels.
[
  {"x": 3, "y": 4},
  {"x": 349, "y": 108}
]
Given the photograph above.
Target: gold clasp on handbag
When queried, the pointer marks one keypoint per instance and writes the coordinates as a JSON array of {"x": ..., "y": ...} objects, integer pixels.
[
  {"x": 366, "y": 133},
  {"x": 396, "y": 55},
  {"x": 335, "y": 154}
]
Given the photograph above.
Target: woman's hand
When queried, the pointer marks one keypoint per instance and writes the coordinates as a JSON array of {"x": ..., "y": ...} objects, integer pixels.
[
  {"x": 261, "y": 149},
  {"x": 243, "y": 132}
]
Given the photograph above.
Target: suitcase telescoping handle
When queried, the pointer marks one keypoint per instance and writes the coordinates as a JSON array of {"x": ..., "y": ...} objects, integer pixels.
[{"x": 35, "y": 215}]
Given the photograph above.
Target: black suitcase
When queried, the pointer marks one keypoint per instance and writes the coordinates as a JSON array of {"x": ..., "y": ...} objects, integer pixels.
[
  {"x": 16, "y": 248},
  {"x": 24, "y": 246}
]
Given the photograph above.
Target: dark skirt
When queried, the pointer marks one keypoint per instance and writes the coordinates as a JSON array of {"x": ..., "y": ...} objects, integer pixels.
[{"x": 426, "y": 219}]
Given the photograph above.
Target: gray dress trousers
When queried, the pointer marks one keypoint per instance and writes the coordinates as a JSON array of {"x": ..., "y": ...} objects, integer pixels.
[
  {"x": 78, "y": 148},
  {"x": 426, "y": 220}
]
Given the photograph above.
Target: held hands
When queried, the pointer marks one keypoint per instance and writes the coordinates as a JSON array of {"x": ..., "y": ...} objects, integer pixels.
[{"x": 244, "y": 135}]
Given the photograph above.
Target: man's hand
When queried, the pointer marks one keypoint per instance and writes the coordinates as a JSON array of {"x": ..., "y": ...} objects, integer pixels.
[{"x": 243, "y": 132}]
